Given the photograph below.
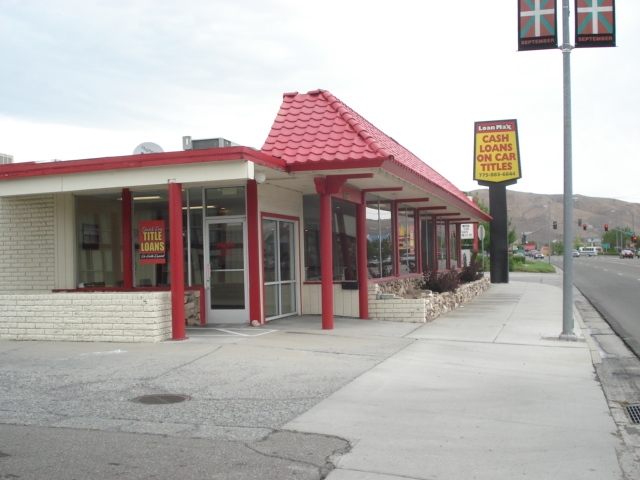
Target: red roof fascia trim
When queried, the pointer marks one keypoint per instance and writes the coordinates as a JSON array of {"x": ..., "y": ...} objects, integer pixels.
[
  {"x": 406, "y": 174},
  {"x": 35, "y": 169},
  {"x": 335, "y": 165}
]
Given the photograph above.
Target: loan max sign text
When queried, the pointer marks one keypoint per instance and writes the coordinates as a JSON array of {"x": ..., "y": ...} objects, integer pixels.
[{"x": 496, "y": 153}]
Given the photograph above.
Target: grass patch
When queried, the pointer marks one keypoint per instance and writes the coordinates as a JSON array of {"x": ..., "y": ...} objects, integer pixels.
[{"x": 534, "y": 267}]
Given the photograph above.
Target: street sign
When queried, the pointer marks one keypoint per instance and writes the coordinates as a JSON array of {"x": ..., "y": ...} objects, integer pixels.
[{"x": 481, "y": 232}]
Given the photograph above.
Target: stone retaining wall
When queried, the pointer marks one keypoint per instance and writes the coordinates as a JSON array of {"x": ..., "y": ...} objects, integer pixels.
[{"x": 386, "y": 304}]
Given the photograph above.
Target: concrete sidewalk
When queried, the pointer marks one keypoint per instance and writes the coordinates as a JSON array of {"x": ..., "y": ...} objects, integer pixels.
[{"x": 480, "y": 393}]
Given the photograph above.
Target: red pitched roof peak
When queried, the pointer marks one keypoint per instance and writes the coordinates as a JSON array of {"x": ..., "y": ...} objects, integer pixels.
[{"x": 318, "y": 128}]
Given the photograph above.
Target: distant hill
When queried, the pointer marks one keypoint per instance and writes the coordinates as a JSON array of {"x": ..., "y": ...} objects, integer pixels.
[{"x": 593, "y": 211}]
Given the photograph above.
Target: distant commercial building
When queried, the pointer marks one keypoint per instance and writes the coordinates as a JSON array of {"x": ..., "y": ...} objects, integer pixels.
[{"x": 5, "y": 158}]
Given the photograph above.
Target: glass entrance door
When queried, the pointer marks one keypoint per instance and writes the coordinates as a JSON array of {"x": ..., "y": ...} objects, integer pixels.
[
  {"x": 280, "y": 283},
  {"x": 225, "y": 272}
]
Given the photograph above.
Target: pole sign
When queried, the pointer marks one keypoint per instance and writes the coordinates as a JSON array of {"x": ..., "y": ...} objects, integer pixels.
[
  {"x": 537, "y": 25},
  {"x": 496, "y": 152},
  {"x": 481, "y": 232},
  {"x": 151, "y": 235},
  {"x": 466, "y": 231},
  {"x": 595, "y": 23}
]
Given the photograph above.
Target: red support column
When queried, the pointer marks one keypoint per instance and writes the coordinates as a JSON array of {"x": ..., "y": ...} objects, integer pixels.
[
  {"x": 447, "y": 238},
  {"x": 326, "y": 251},
  {"x": 177, "y": 261},
  {"x": 417, "y": 241},
  {"x": 459, "y": 245},
  {"x": 395, "y": 256},
  {"x": 326, "y": 261},
  {"x": 475, "y": 237},
  {"x": 127, "y": 239},
  {"x": 436, "y": 249},
  {"x": 361, "y": 252},
  {"x": 255, "y": 270}
]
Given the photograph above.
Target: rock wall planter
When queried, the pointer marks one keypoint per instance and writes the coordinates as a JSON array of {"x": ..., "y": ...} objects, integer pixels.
[{"x": 387, "y": 300}]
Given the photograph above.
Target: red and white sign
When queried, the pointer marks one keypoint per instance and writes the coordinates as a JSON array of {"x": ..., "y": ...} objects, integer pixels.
[
  {"x": 537, "y": 24},
  {"x": 595, "y": 23}
]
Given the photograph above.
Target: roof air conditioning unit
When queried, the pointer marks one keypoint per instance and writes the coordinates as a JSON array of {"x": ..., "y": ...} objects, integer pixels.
[
  {"x": 4, "y": 158},
  {"x": 189, "y": 144}
]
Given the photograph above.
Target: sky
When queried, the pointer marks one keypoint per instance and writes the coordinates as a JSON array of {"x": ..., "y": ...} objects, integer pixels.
[{"x": 89, "y": 79}]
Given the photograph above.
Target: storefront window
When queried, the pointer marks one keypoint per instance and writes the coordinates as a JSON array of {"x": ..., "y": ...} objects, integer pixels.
[
  {"x": 406, "y": 240},
  {"x": 192, "y": 222},
  {"x": 225, "y": 201},
  {"x": 453, "y": 245},
  {"x": 343, "y": 221},
  {"x": 442, "y": 246},
  {"x": 379, "y": 237},
  {"x": 426, "y": 239},
  {"x": 99, "y": 240},
  {"x": 151, "y": 208}
]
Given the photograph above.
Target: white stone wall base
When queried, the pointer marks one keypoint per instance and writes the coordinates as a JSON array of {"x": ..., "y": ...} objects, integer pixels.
[{"x": 87, "y": 317}]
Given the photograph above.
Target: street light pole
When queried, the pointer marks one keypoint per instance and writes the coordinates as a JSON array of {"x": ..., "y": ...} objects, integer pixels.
[
  {"x": 549, "y": 232},
  {"x": 567, "y": 260}
]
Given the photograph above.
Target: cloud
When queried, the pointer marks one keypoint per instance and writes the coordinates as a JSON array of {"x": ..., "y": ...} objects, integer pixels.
[{"x": 108, "y": 75}]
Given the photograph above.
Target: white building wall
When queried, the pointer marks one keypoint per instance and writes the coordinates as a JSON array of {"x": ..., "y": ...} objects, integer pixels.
[
  {"x": 282, "y": 201},
  {"x": 27, "y": 257},
  {"x": 345, "y": 302}
]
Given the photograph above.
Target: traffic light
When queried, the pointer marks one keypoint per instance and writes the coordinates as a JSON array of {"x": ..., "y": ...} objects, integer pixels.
[
  {"x": 584, "y": 226},
  {"x": 606, "y": 227},
  {"x": 555, "y": 225},
  {"x": 579, "y": 222},
  {"x": 635, "y": 239}
]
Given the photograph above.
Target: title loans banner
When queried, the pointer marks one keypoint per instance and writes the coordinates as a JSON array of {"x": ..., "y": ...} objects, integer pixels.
[
  {"x": 497, "y": 157},
  {"x": 152, "y": 241},
  {"x": 537, "y": 24},
  {"x": 595, "y": 23}
]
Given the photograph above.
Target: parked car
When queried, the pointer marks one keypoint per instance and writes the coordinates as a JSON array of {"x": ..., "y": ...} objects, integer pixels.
[
  {"x": 626, "y": 253},
  {"x": 576, "y": 253}
]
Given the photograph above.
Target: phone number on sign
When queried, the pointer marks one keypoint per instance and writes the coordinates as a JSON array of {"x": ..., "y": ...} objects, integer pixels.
[{"x": 497, "y": 174}]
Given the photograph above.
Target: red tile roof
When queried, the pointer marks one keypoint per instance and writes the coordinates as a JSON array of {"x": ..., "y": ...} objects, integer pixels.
[{"x": 317, "y": 127}]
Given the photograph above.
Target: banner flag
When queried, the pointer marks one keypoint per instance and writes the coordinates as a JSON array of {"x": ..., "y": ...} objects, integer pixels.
[
  {"x": 537, "y": 25},
  {"x": 595, "y": 23}
]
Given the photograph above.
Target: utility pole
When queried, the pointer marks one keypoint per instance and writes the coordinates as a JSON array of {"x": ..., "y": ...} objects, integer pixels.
[{"x": 567, "y": 259}]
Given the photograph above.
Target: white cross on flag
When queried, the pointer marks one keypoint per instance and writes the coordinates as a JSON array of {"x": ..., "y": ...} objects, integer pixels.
[{"x": 537, "y": 24}]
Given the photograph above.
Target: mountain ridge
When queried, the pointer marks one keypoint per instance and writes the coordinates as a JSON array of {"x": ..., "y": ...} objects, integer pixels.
[{"x": 530, "y": 212}]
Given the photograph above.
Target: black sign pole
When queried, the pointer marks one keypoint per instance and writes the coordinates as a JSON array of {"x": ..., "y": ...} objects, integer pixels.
[{"x": 499, "y": 249}]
